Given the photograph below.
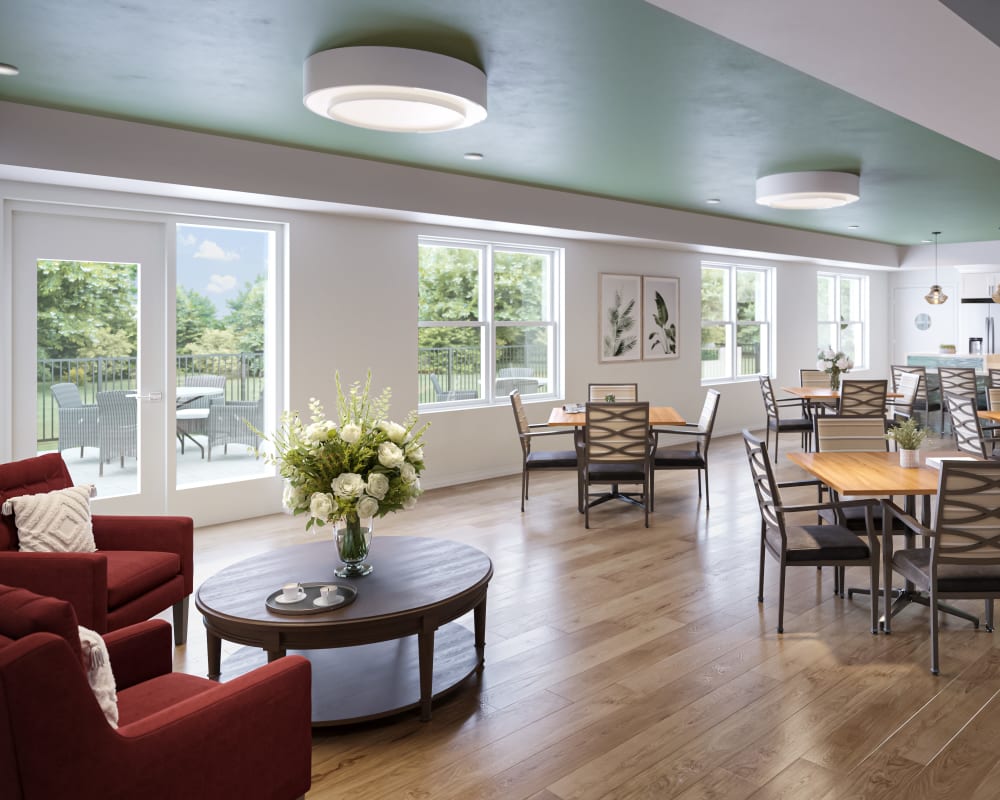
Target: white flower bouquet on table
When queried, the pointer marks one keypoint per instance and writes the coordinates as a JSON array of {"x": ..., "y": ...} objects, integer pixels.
[
  {"x": 834, "y": 363},
  {"x": 350, "y": 470}
]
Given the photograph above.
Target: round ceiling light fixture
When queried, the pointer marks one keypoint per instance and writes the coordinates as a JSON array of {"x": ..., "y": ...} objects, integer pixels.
[
  {"x": 394, "y": 89},
  {"x": 808, "y": 190}
]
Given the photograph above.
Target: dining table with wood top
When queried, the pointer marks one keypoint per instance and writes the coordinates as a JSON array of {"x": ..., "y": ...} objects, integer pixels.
[{"x": 868, "y": 474}]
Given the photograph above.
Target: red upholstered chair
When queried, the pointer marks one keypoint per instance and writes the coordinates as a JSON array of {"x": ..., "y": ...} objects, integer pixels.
[
  {"x": 178, "y": 735},
  {"x": 143, "y": 565}
]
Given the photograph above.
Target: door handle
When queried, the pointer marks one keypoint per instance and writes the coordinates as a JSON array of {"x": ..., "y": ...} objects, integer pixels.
[{"x": 153, "y": 397}]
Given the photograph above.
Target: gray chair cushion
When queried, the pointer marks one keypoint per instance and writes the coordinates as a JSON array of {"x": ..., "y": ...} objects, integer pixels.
[
  {"x": 680, "y": 457},
  {"x": 552, "y": 459},
  {"x": 614, "y": 473},
  {"x": 820, "y": 543},
  {"x": 915, "y": 565}
]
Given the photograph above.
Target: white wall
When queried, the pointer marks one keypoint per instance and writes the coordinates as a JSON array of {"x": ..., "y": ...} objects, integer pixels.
[{"x": 352, "y": 280}]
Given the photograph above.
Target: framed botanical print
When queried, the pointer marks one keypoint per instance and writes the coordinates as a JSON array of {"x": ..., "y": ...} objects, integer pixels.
[
  {"x": 619, "y": 326},
  {"x": 660, "y": 311}
]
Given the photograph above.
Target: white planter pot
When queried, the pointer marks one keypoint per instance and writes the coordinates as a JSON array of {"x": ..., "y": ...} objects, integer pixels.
[{"x": 909, "y": 458}]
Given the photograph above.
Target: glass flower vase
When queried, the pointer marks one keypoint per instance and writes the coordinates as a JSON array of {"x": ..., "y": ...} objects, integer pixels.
[
  {"x": 353, "y": 535},
  {"x": 834, "y": 379}
]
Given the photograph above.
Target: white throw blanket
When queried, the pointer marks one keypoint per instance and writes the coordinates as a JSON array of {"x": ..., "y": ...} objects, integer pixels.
[{"x": 98, "y": 666}]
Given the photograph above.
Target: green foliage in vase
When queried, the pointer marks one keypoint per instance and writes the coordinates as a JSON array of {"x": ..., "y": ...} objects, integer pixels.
[
  {"x": 666, "y": 336},
  {"x": 908, "y": 435},
  {"x": 619, "y": 341}
]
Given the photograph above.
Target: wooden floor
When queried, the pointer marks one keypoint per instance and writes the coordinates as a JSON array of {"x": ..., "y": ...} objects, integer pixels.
[{"x": 625, "y": 662}]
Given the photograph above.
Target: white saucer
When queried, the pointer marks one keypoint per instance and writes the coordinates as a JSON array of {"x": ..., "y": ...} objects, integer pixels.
[
  {"x": 335, "y": 601},
  {"x": 280, "y": 598}
]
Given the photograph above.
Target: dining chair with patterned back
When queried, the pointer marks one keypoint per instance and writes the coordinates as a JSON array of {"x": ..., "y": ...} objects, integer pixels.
[
  {"x": 234, "y": 423},
  {"x": 504, "y": 386},
  {"x": 956, "y": 381},
  {"x": 541, "y": 459},
  {"x": 928, "y": 397},
  {"x": 623, "y": 392},
  {"x": 617, "y": 448},
  {"x": 116, "y": 421},
  {"x": 962, "y": 559},
  {"x": 902, "y": 408},
  {"x": 800, "y": 423},
  {"x": 862, "y": 398},
  {"x": 794, "y": 545},
  {"x": 814, "y": 377},
  {"x": 694, "y": 456},
  {"x": 965, "y": 425},
  {"x": 993, "y": 378},
  {"x": 77, "y": 422}
]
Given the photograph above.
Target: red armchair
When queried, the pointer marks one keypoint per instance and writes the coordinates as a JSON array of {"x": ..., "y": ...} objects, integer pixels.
[
  {"x": 178, "y": 735},
  {"x": 143, "y": 565}
]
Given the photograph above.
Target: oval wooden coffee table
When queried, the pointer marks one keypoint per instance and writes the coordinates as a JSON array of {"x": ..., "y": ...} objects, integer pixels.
[{"x": 396, "y": 647}]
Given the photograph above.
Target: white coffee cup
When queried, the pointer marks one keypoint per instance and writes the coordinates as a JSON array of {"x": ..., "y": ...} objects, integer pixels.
[
  {"x": 291, "y": 592},
  {"x": 328, "y": 593}
]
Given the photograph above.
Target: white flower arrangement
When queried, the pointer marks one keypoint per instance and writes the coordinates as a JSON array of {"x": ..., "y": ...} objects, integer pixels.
[
  {"x": 828, "y": 361},
  {"x": 360, "y": 466}
]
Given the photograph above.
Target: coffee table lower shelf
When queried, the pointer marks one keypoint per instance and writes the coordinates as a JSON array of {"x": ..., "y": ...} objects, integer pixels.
[{"x": 371, "y": 681}]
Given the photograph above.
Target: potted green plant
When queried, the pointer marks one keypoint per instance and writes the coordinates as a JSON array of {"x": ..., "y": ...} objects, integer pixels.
[{"x": 908, "y": 436}]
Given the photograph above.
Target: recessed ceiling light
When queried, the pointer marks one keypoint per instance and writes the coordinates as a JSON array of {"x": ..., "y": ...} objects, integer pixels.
[
  {"x": 925, "y": 241},
  {"x": 713, "y": 201},
  {"x": 853, "y": 227},
  {"x": 473, "y": 156},
  {"x": 394, "y": 89},
  {"x": 808, "y": 190},
  {"x": 9, "y": 69}
]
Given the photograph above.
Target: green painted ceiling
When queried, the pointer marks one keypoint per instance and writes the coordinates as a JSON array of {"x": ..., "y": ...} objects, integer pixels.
[{"x": 607, "y": 97}]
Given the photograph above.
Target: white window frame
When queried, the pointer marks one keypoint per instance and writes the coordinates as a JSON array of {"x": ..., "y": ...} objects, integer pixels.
[
  {"x": 551, "y": 307},
  {"x": 861, "y": 351},
  {"x": 732, "y": 324}
]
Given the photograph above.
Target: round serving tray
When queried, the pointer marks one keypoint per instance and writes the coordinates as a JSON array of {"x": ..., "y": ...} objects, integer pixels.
[{"x": 308, "y": 605}]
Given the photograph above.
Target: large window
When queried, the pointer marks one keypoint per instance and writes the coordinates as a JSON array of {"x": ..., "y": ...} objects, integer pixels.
[
  {"x": 487, "y": 322},
  {"x": 841, "y": 315},
  {"x": 736, "y": 317}
]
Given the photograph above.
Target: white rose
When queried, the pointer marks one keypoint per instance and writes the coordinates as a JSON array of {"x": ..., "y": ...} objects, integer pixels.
[
  {"x": 350, "y": 433},
  {"x": 843, "y": 363},
  {"x": 829, "y": 353},
  {"x": 407, "y": 472},
  {"x": 378, "y": 485},
  {"x": 389, "y": 455},
  {"x": 415, "y": 452},
  {"x": 821, "y": 364},
  {"x": 367, "y": 506},
  {"x": 292, "y": 497},
  {"x": 393, "y": 430},
  {"x": 409, "y": 502},
  {"x": 348, "y": 485},
  {"x": 321, "y": 506},
  {"x": 319, "y": 431}
]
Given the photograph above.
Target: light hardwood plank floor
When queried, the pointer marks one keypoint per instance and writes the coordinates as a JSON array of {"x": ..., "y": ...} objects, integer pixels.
[{"x": 625, "y": 662}]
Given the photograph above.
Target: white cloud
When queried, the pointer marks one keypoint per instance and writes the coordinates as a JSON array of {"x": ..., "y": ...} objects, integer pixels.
[
  {"x": 220, "y": 284},
  {"x": 212, "y": 252}
]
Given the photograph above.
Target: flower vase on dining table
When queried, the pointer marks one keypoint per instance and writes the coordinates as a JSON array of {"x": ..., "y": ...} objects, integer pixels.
[
  {"x": 835, "y": 379},
  {"x": 353, "y": 535}
]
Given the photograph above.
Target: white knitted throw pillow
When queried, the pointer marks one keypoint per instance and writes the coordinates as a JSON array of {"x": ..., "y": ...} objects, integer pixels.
[
  {"x": 53, "y": 522},
  {"x": 99, "y": 675}
]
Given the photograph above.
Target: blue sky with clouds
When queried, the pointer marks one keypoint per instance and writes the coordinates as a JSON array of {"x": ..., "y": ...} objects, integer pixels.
[{"x": 219, "y": 262}]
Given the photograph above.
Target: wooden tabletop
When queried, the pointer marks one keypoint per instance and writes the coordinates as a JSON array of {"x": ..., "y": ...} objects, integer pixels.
[
  {"x": 872, "y": 473},
  {"x": 992, "y": 416},
  {"x": 821, "y": 392},
  {"x": 658, "y": 415}
]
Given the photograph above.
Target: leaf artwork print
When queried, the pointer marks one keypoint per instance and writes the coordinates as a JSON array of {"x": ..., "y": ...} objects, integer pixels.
[
  {"x": 619, "y": 341},
  {"x": 666, "y": 336}
]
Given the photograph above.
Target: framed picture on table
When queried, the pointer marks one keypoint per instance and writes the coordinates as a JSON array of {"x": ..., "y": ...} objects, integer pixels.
[
  {"x": 660, "y": 317},
  {"x": 619, "y": 323}
]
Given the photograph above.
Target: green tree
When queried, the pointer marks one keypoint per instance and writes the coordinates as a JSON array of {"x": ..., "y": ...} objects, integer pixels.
[
  {"x": 83, "y": 304},
  {"x": 246, "y": 316},
  {"x": 213, "y": 340},
  {"x": 195, "y": 315}
]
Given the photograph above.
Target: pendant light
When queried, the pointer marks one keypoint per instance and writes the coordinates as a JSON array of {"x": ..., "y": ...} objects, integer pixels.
[{"x": 935, "y": 296}]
